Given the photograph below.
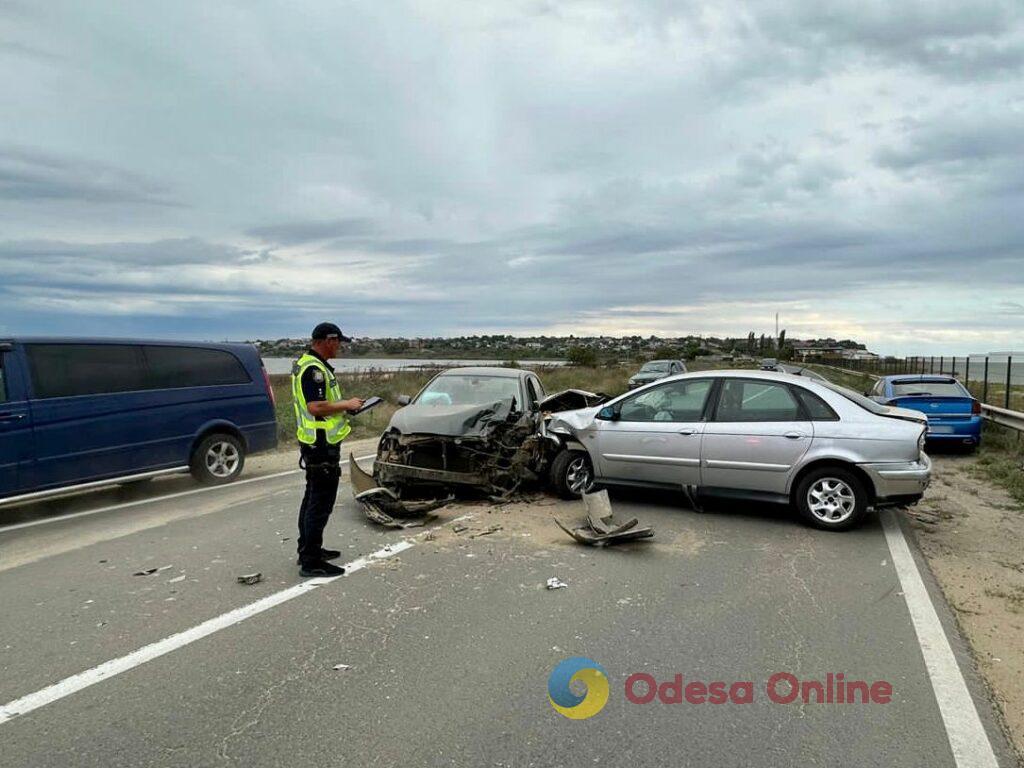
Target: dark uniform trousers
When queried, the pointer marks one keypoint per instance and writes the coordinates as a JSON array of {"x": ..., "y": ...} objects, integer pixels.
[{"x": 323, "y": 471}]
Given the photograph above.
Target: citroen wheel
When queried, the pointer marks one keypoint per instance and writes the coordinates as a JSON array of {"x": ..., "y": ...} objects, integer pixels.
[
  {"x": 832, "y": 498},
  {"x": 572, "y": 474},
  {"x": 217, "y": 459}
]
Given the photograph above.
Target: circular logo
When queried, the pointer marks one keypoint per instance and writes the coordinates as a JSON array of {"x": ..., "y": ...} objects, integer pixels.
[{"x": 578, "y": 669}]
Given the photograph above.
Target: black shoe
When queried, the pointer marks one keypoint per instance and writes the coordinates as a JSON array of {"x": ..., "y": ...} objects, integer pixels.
[
  {"x": 322, "y": 569},
  {"x": 325, "y": 555}
]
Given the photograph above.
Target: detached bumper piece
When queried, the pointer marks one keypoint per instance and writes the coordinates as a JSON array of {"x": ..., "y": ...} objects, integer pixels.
[
  {"x": 382, "y": 505},
  {"x": 600, "y": 530}
]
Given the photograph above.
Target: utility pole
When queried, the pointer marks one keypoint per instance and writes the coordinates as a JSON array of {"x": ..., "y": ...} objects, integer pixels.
[{"x": 776, "y": 329}]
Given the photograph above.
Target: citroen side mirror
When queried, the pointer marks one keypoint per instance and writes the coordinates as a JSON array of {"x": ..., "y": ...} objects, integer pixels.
[
  {"x": 404, "y": 400},
  {"x": 608, "y": 413}
]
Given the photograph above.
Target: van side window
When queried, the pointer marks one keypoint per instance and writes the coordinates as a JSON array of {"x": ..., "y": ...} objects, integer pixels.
[
  {"x": 174, "y": 367},
  {"x": 3, "y": 380},
  {"x": 816, "y": 408},
  {"x": 67, "y": 370}
]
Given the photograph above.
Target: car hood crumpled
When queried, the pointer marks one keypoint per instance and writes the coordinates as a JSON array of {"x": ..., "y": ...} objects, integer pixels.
[
  {"x": 570, "y": 400},
  {"x": 449, "y": 420},
  {"x": 573, "y": 422}
]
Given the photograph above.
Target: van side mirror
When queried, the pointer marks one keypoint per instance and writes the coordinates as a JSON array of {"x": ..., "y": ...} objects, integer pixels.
[
  {"x": 404, "y": 400},
  {"x": 608, "y": 413}
]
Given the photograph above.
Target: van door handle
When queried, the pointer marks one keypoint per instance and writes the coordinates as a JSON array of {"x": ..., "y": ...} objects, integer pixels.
[
  {"x": 794, "y": 435},
  {"x": 11, "y": 416},
  {"x": 688, "y": 431}
]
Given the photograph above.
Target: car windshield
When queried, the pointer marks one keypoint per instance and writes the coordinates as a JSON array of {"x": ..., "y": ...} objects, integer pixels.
[
  {"x": 866, "y": 403},
  {"x": 461, "y": 389},
  {"x": 948, "y": 388},
  {"x": 655, "y": 367}
]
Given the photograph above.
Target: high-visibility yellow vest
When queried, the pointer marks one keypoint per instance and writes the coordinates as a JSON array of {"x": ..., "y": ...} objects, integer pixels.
[{"x": 335, "y": 426}]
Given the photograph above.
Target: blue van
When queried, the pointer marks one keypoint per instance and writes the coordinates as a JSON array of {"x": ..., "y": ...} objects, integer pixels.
[{"x": 81, "y": 413}]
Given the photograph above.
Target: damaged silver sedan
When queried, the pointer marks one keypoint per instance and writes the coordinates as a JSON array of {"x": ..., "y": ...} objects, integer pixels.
[{"x": 483, "y": 429}]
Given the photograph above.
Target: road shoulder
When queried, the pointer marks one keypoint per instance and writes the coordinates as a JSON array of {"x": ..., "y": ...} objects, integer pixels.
[{"x": 970, "y": 534}]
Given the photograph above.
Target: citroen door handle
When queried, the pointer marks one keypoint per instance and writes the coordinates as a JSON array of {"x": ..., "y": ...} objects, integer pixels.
[
  {"x": 794, "y": 435},
  {"x": 11, "y": 416},
  {"x": 688, "y": 431}
]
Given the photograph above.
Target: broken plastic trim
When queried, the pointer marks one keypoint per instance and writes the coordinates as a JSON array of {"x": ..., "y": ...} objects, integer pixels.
[
  {"x": 382, "y": 505},
  {"x": 600, "y": 530}
]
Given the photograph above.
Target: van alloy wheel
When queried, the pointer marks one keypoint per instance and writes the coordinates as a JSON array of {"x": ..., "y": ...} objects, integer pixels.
[
  {"x": 222, "y": 459},
  {"x": 831, "y": 500}
]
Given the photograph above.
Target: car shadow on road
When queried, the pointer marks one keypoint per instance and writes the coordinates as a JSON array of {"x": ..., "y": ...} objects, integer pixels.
[{"x": 657, "y": 506}]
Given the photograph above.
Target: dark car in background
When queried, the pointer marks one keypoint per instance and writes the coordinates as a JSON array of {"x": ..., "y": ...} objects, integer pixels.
[
  {"x": 77, "y": 414},
  {"x": 954, "y": 415},
  {"x": 654, "y": 370}
]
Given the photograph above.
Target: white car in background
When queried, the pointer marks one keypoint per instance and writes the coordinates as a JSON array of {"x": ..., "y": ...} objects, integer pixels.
[{"x": 762, "y": 435}]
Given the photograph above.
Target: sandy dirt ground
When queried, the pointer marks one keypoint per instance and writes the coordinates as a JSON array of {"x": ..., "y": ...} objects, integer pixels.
[{"x": 972, "y": 535}]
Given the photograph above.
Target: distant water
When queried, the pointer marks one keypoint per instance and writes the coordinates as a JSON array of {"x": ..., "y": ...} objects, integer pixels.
[{"x": 277, "y": 365}]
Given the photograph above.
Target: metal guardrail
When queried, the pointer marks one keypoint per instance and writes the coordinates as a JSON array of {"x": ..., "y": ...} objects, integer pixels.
[{"x": 1003, "y": 417}]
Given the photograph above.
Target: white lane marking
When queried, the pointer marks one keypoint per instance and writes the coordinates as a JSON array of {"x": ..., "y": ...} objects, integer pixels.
[
  {"x": 967, "y": 737},
  {"x": 155, "y": 499},
  {"x": 109, "y": 669}
]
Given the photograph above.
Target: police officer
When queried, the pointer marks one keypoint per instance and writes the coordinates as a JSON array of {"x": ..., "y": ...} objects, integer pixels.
[{"x": 321, "y": 424}]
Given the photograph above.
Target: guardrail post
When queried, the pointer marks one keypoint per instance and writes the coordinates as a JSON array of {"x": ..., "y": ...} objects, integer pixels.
[
  {"x": 1009, "y": 369},
  {"x": 967, "y": 372},
  {"x": 984, "y": 385}
]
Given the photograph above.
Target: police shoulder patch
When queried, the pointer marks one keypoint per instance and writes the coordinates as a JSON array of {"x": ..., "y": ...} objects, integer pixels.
[{"x": 318, "y": 376}]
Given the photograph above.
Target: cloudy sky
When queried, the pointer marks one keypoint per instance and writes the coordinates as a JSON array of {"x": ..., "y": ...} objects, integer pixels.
[{"x": 240, "y": 170}]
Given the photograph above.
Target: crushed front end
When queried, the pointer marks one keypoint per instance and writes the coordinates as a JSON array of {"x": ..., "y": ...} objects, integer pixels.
[{"x": 492, "y": 449}]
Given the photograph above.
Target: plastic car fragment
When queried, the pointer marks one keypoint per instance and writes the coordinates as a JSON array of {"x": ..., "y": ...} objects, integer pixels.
[
  {"x": 601, "y": 530},
  {"x": 384, "y": 507}
]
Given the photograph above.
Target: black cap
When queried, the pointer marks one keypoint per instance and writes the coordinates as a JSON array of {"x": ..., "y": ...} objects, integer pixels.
[{"x": 328, "y": 331}]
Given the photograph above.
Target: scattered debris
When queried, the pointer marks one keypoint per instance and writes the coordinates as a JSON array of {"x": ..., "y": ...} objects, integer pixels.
[
  {"x": 383, "y": 506},
  {"x": 250, "y": 578},
  {"x": 147, "y": 572},
  {"x": 599, "y": 530},
  {"x": 555, "y": 583},
  {"x": 488, "y": 532},
  {"x": 342, "y": 667},
  {"x": 176, "y": 579},
  {"x": 459, "y": 528}
]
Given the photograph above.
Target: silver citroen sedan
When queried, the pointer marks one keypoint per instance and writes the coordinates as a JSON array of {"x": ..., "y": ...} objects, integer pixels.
[{"x": 762, "y": 435}]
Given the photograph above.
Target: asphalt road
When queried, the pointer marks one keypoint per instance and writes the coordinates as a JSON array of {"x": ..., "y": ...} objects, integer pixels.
[{"x": 450, "y": 642}]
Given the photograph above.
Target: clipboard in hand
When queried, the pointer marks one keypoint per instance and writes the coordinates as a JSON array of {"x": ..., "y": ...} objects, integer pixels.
[{"x": 367, "y": 405}]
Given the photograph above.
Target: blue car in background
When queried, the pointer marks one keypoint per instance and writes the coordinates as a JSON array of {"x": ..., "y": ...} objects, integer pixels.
[
  {"x": 83, "y": 413},
  {"x": 954, "y": 416}
]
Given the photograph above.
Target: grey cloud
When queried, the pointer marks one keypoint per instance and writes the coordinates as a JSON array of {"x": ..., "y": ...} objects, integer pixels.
[
  {"x": 953, "y": 138},
  {"x": 34, "y": 176},
  {"x": 958, "y": 40},
  {"x": 23, "y": 50},
  {"x": 172, "y": 252},
  {"x": 296, "y": 233}
]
